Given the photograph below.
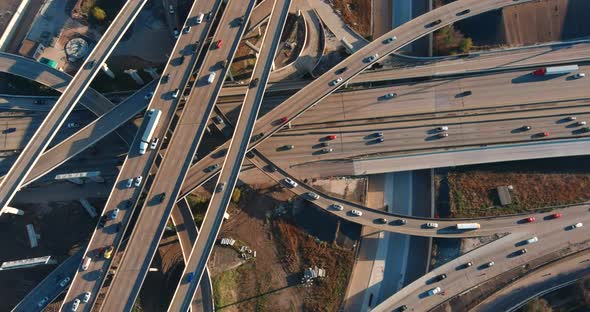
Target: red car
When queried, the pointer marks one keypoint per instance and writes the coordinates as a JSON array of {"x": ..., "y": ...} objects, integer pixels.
[
  {"x": 529, "y": 219},
  {"x": 218, "y": 44},
  {"x": 331, "y": 137},
  {"x": 544, "y": 134},
  {"x": 284, "y": 119},
  {"x": 556, "y": 216}
]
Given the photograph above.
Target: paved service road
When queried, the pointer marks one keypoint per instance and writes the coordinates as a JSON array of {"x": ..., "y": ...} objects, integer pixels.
[
  {"x": 235, "y": 156},
  {"x": 187, "y": 134},
  {"x": 178, "y": 74},
  {"x": 73, "y": 92}
]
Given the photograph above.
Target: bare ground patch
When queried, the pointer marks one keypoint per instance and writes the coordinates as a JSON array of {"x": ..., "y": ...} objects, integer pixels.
[{"x": 356, "y": 14}]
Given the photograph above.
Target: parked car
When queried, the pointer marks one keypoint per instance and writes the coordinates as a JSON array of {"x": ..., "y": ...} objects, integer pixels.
[
  {"x": 190, "y": 277},
  {"x": 379, "y": 140},
  {"x": 570, "y": 118},
  {"x": 522, "y": 251},
  {"x": 212, "y": 168},
  {"x": 254, "y": 83},
  {"x": 220, "y": 187},
  {"x": 200, "y": 18},
  {"x": 284, "y": 119},
  {"x": 378, "y": 134},
  {"x": 102, "y": 221},
  {"x": 525, "y": 128},
  {"x": 466, "y": 265},
  {"x": 544, "y": 134},
  {"x": 466, "y": 11},
  {"x": 186, "y": 29},
  {"x": 341, "y": 70},
  {"x": 128, "y": 183},
  {"x": 9, "y": 130},
  {"x": 357, "y": 213},
  {"x": 288, "y": 147},
  {"x": 402, "y": 308},
  {"x": 218, "y": 120},
  {"x": 580, "y": 123}
]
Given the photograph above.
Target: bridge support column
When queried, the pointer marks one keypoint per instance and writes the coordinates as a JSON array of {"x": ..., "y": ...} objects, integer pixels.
[
  {"x": 107, "y": 71},
  {"x": 133, "y": 73},
  {"x": 152, "y": 71}
]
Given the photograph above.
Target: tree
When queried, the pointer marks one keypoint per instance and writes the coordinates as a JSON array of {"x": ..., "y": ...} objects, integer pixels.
[
  {"x": 537, "y": 305},
  {"x": 466, "y": 45},
  {"x": 235, "y": 196},
  {"x": 98, "y": 14}
]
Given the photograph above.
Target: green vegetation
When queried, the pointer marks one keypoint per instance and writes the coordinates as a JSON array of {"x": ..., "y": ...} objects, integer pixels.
[
  {"x": 86, "y": 6},
  {"x": 99, "y": 14},
  {"x": 137, "y": 306},
  {"x": 198, "y": 206},
  {"x": 466, "y": 45},
  {"x": 224, "y": 288},
  {"x": 235, "y": 196},
  {"x": 449, "y": 41}
]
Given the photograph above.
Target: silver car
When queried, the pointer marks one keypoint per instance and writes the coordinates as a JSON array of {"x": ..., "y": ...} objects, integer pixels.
[{"x": 312, "y": 195}]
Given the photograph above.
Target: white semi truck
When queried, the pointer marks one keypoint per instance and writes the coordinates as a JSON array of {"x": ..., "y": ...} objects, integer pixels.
[{"x": 153, "y": 116}]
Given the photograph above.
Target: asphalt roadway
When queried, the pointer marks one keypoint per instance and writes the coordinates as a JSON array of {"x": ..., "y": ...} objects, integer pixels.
[
  {"x": 235, "y": 156},
  {"x": 188, "y": 131},
  {"x": 504, "y": 252},
  {"x": 136, "y": 165},
  {"x": 30, "y": 155}
]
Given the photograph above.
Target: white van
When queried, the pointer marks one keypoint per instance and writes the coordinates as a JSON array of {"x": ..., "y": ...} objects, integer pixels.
[
  {"x": 532, "y": 240},
  {"x": 86, "y": 263},
  {"x": 200, "y": 18},
  {"x": 211, "y": 77}
]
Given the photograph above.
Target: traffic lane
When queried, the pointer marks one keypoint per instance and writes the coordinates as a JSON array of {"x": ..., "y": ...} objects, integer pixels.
[
  {"x": 139, "y": 252},
  {"x": 397, "y": 139},
  {"x": 236, "y": 153},
  {"x": 506, "y": 256},
  {"x": 43, "y": 135},
  {"x": 555, "y": 275},
  {"x": 136, "y": 165}
]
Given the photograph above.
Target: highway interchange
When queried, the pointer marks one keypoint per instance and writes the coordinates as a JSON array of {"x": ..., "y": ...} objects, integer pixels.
[{"x": 493, "y": 114}]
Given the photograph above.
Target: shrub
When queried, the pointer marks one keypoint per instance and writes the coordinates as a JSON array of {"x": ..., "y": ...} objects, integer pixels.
[{"x": 98, "y": 14}]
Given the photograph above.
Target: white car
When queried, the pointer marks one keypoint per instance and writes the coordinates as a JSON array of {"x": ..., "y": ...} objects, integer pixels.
[
  {"x": 432, "y": 225},
  {"x": 290, "y": 182},
  {"x": 200, "y": 18},
  {"x": 579, "y": 75},
  {"x": 434, "y": 291},
  {"x": 577, "y": 225},
  {"x": 138, "y": 181},
  {"x": 86, "y": 297},
  {"x": 154, "y": 143},
  {"x": 336, "y": 81},
  {"x": 75, "y": 304},
  {"x": 357, "y": 213},
  {"x": 337, "y": 207},
  {"x": 489, "y": 264},
  {"x": 64, "y": 282},
  {"x": 442, "y": 128},
  {"x": 390, "y": 95},
  {"x": 532, "y": 240},
  {"x": 128, "y": 183}
]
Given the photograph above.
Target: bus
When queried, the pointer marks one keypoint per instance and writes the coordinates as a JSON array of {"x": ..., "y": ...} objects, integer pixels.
[{"x": 153, "y": 116}]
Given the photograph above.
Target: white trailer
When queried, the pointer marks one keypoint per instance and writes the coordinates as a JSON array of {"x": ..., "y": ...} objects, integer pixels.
[
  {"x": 153, "y": 116},
  {"x": 468, "y": 226}
]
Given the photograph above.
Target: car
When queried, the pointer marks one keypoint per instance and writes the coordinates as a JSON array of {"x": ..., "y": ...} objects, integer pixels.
[
  {"x": 331, "y": 137},
  {"x": 312, "y": 195},
  {"x": 75, "y": 304},
  {"x": 186, "y": 29},
  {"x": 341, "y": 70},
  {"x": 441, "y": 128},
  {"x": 212, "y": 168},
  {"x": 378, "y": 134},
  {"x": 465, "y": 93},
  {"x": 190, "y": 277},
  {"x": 544, "y": 134},
  {"x": 432, "y": 225},
  {"x": 556, "y": 215},
  {"x": 489, "y": 264},
  {"x": 442, "y": 135},
  {"x": 199, "y": 19},
  {"x": 64, "y": 282},
  {"x": 72, "y": 125},
  {"x": 529, "y": 220},
  {"x": 371, "y": 58},
  {"x": 208, "y": 16},
  {"x": 432, "y": 24},
  {"x": 128, "y": 183},
  {"x": 324, "y": 144},
  {"x": 218, "y": 44},
  {"x": 381, "y": 220},
  {"x": 579, "y": 75},
  {"x": 86, "y": 296},
  {"x": 171, "y": 9},
  {"x": 257, "y": 136},
  {"x": 327, "y": 150},
  {"x": 271, "y": 168},
  {"x": 390, "y": 95},
  {"x": 43, "y": 301},
  {"x": 149, "y": 95},
  {"x": 99, "y": 252},
  {"x": 466, "y": 265},
  {"x": 218, "y": 120},
  {"x": 290, "y": 182},
  {"x": 379, "y": 140},
  {"x": 154, "y": 143},
  {"x": 108, "y": 252},
  {"x": 357, "y": 213},
  {"x": 9, "y": 130},
  {"x": 220, "y": 187},
  {"x": 102, "y": 221},
  {"x": 522, "y": 251},
  {"x": 571, "y": 118},
  {"x": 175, "y": 33},
  {"x": 337, "y": 207},
  {"x": 254, "y": 83},
  {"x": 525, "y": 128},
  {"x": 532, "y": 240},
  {"x": 336, "y": 81},
  {"x": 390, "y": 39},
  {"x": 284, "y": 119},
  {"x": 580, "y": 123},
  {"x": 223, "y": 64},
  {"x": 114, "y": 213},
  {"x": 434, "y": 291},
  {"x": 138, "y": 181},
  {"x": 440, "y": 277},
  {"x": 402, "y": 221},
  {"x": 402, "y": 308},
  {"x": 175, "y": 93},
  {"x": 165, "y": 78},
  {"x": 577, "y": 225},
  {"x": 466, "y": 11},
  {"x": 288, "y": 147},
  {"x": 239, "y": 21},
  {"x": 211, "y": 77},
  {"x": 91, "y": 63}
]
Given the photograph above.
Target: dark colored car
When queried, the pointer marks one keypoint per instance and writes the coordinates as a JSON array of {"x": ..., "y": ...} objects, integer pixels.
[
  {"x": 402, "y": 308},
  {"x": 402, "y": 221},
  {"x": 218, "y": 120},
  {"x": 341, "y": 70},
  {"x": 190, "y": 277},
  {"x": 212, "y": 168},
  {"x": 102, "y": 221},
  {"x": 254, "y": 82},
  {"x": 466, "y": 11},
  {"x": 381, "y": 220},
  {"x": 465, "y": 93},
  {"x": 161, "y": 197},
  {"x": 432, "y": 24},
  {"x": 9, "y": 130},
  {"x": 441, "y": 277},
  {"x": 165, "y": 78}
]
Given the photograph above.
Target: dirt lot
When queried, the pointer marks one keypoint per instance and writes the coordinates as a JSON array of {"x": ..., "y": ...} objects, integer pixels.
[
  {"x": 536, "y": 183},
  {"x": 63, "y": 226},
  {"x": 291, "y": 41},
  {"x": 356, "y": 14}
]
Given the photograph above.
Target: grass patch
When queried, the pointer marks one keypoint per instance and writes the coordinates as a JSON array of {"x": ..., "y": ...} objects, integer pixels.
[
  {"x": 198, "y": 204},
  {"x": 224, "y": 288}
]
